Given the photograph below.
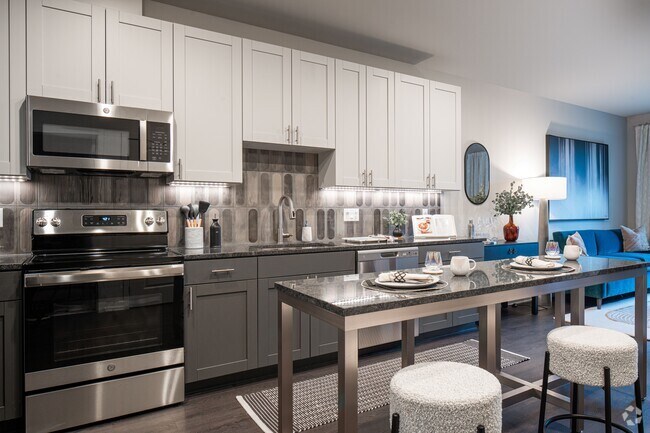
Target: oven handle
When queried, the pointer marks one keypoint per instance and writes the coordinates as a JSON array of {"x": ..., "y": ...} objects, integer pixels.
[{"x": 45, "y": 279}]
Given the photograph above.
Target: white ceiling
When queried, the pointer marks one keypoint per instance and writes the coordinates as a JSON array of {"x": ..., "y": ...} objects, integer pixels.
[{"x": 592, "y": 53}]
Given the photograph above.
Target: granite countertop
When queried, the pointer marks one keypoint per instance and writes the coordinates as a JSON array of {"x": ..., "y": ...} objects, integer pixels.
[
  {"x": 345, "y": 296},
  {"x": 249, "y": 250},
  {"x": 13, "y": 262}
]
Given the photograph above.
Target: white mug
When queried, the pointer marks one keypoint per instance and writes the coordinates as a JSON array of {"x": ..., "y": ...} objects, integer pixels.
[
  {"x": 460, "y": 265},
  {"x": 572, "y": 252}
]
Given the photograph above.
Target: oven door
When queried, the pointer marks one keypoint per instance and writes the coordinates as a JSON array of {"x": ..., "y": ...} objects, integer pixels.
[
  {"x": 78, "y": 135},
  {"x": 80, "y": 319}
]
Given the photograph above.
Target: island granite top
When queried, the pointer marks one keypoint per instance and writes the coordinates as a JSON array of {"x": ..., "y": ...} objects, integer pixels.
[
  {"x": 13, "y": 262},
  {"x": 345, "y": 296},
  {"x": 318, "y": 246}
]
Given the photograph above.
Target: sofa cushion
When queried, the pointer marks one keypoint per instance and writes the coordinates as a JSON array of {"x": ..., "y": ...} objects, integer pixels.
[
  {"x": 609, "y": 241},
  {"x": 587, "y": 236},
  {"x": 635, "y": 256},
  {"x": 635, "y": 240}
]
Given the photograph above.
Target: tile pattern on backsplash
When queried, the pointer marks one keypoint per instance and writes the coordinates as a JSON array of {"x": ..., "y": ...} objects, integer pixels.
[{"x": 247, "y": 212}]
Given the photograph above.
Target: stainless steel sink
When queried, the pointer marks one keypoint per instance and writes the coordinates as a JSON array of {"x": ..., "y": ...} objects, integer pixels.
[{"x": 291, "y": 246}]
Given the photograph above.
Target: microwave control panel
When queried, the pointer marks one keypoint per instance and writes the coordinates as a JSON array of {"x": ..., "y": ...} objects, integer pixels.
[{"x": 158, "y": 142}]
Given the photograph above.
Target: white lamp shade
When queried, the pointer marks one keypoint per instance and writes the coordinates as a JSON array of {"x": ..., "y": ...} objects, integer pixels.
[{"x": 547, "y": 187}]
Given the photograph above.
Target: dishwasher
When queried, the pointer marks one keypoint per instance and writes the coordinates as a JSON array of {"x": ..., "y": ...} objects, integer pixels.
[{"x": 384, "y": 260}]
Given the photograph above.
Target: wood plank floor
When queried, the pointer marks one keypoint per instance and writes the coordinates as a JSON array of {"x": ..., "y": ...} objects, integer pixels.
[{"x": 218, "y": 411}]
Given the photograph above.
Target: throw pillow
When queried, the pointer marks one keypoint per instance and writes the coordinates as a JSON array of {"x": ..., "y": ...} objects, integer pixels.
[
  {"x": 576, "y": 239},
  {"x": 635, "y": 240}
]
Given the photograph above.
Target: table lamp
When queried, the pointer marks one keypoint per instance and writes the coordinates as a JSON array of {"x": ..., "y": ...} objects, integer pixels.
[{"x": 545, "y": 188}]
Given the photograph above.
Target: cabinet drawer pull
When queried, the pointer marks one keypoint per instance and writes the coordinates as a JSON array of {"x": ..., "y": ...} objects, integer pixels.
[
  {"x": 112, "y": 94},
  {"x": 289, "y": 134},
  {"x": 455, "y": 252},
  {"x": 99, "y": 90},
  {"x": 297, "y": 140},
  {"x": 222, "y": 271},
  {"x": 191, "y": 300}
]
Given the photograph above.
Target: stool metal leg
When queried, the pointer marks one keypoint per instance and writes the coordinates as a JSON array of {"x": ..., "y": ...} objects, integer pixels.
[
  {"x": 574, "y": 407},
  {"x": 608, "y": 401},
  {"x": 394, "y": 425},
  {"x": 480, "y": 429},
  {"x": 542, "y": 405},
  {"x": 639, "y": 405}
]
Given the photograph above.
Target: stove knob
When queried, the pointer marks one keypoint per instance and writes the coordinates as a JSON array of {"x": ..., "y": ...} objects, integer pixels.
[
  {"x": 160, "y": 221},
  {"x": 41, "y": 221},
  {"x": 56, "y": 221},
  {"x": 148, "y": 220}
]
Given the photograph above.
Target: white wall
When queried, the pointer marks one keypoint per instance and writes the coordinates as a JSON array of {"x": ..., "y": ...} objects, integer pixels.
[
  {"x": 512, "y": 125},
  {"x": 130, "y": 6},
  {"x": 632, "y": 121}
]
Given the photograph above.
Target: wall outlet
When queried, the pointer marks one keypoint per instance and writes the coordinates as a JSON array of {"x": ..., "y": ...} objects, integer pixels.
[{"x": 351, "y": 214}]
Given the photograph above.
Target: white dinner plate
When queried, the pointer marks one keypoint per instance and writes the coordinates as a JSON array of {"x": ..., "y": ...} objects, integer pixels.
[
  {"x": 555, "y": 267},
  {"x": 413, "y": 285}
]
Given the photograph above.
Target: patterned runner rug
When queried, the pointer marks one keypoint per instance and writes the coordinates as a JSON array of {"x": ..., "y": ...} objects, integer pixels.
[{"x": 315, "y": 400}]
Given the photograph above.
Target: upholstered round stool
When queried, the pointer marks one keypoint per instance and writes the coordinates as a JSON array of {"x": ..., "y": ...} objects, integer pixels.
[
  {"x": 586, "y": 355},
  {"x": 445, "y": 397}
]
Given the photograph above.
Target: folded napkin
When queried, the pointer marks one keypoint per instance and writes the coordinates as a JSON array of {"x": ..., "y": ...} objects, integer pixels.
[
  {"x": 401, "y": 277},
  {"x": 535, "y": 263}
]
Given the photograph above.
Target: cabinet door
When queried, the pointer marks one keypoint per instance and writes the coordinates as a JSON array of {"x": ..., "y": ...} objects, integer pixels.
[
  {"x": 445, "y": 132},
  {"x": 10, "y": 361},
  {"x": 434, "y": 323},
  {"x": 350, "y": 123},
  {"x": 380, "y": 126},
  {"x": 465, "y": 316},
  {"x": 312, "y": 100},
  {"x": 139, "y": 66},
  {"x": 411, "y": 131},
  {"x": 220, "y": 329},
  {"x": 267, "y": 297},
  {"x": 66, "y": 50},
  {"x": 207, "y": 105},
  {"x": 267, "y": 92}
]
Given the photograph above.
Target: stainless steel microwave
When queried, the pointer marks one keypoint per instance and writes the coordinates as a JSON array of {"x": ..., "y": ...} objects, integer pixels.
[{"x": 65, "y": 136}]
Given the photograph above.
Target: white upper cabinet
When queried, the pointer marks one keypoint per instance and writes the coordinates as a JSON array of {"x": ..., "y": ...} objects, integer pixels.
[
  {"x": 267, "y": 93},
  {"x": 139, "y": 65},
  {"x": 350, "y": 124},
  {"x": 208, "y": 105},
  {"x": 380, "y": 127},
  {"x": 445, "y": 129},
  {"x": 12, "y": 86},
  {"x": 312, "y": 109},
  {"x": 65, "y": 46}
]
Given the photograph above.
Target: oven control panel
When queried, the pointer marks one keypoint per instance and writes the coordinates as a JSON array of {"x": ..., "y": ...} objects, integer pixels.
[
  {"x": 89, "y": 221},
  {"x": 104, "y": 220}
]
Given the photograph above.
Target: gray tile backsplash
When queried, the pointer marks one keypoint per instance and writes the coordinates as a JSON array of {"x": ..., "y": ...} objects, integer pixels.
[{"x": 247, "y": 212}]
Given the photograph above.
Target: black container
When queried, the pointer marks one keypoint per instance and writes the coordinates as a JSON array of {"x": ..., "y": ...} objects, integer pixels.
[{"x": 215, "y": 234}]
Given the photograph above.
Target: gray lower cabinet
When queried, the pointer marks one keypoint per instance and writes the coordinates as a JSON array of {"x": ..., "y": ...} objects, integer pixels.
[
  {"x": 267, "y": 298},
  {"x": 11, "y": 371},
  {"x": 220, "y": 319},
  {"x": 473, "y": 250}
]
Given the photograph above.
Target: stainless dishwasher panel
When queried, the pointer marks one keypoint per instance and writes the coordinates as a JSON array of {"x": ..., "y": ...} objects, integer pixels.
[{"x": 384, "y": 260}]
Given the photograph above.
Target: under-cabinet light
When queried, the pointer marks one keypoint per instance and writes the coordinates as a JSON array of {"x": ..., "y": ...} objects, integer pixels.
[
  {"x": 208, "y": 184},
  {"x": 375, "y": 189}
]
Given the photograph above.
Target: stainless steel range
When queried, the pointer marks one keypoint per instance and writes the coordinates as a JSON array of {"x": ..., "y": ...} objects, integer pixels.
[{"x": 103, "y": 317}]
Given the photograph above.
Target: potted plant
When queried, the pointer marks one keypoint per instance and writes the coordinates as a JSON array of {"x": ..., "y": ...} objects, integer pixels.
[
  {"x": 510, "y": 203},
  {"x": 397, "y": 218}
]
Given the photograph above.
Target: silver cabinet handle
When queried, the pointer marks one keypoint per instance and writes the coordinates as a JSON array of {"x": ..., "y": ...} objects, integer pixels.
[
  {"x": 112, "y": 93},
  {"x": 289, "y": 134},
  {"x": 429, "y": 181},
  {"x": 99, "y": 90},
  {"x": 370, "y": 178},
  {"x": 297, "y": 136},
  {"x": 454, "y": 252},
  {"x": 191, "y": 295},
  {"x": 222, "y": 271},
  {"x": 180, "y": 168},
  {"x": 434, "y": 180},
  {"x": 364, "y": 178}
]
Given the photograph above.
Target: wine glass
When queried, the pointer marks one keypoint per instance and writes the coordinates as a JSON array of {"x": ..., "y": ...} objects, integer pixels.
[
  {"x": 552, "y": 249},
  {"x": 433, "y": 260}
]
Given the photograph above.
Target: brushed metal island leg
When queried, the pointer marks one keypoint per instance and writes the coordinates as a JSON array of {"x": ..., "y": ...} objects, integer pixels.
[
  {"x": 348, "y": 377},
  {"x": 641, "y": 327},
  {"x": 578, "y": 318},
  {"x": 408, "y": 343},
  {"x": 489, "y": 331},
  {"x": 285, "y": 368},
  {"x": 560, "y": 309}
]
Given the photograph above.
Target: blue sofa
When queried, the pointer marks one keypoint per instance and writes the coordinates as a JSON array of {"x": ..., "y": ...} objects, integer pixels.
[{"x": 608, "y": 244}]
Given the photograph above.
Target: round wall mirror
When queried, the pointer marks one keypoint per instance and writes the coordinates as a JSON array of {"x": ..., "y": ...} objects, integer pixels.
[{"x": 477, "y": 173}]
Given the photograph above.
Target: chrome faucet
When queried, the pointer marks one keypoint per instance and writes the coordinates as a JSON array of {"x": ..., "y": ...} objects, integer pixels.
[{"x": 292, "y": 215}]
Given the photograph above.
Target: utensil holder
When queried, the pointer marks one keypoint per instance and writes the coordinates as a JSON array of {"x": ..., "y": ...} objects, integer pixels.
[{"x": 193, "y": 237}]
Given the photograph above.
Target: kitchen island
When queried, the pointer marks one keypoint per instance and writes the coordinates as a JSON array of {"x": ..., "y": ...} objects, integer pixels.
[{"x": 344, "y": 303}]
